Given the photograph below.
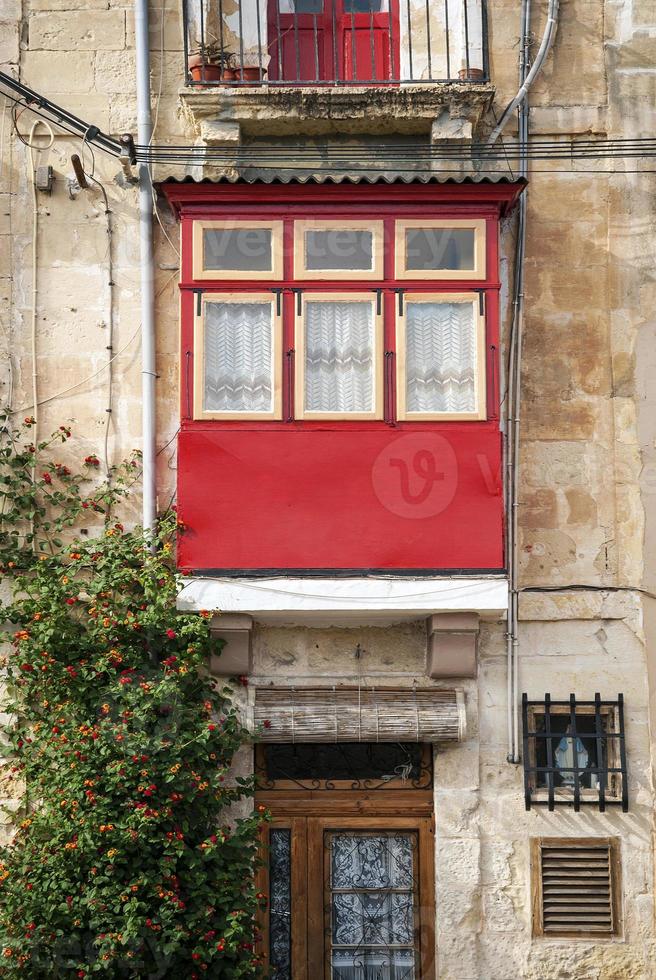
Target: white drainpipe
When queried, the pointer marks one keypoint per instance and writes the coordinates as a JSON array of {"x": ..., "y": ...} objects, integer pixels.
[{"x": 148, "y": 373}]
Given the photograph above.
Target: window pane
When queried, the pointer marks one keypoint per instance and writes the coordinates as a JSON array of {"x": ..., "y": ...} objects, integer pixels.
[
  {"x": 440, "y": 357},
  {"x": 280, "y": 911},
  {"x": 339, "y": 358},
  {"x": 563, "y": 747},
  {"x": 339, "y": 249},
  {"x": 238, "y": 357},
  {"x": 237, "y": 249},
  {"x": 439, "y": 248}
]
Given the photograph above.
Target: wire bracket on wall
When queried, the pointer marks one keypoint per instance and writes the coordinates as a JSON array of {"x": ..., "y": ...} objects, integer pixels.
[{"x": 128, "y": 157}]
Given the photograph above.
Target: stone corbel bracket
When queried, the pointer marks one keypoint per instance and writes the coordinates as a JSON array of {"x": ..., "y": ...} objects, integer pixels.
[
  {"x": 452, "y": 640},
  {"x": 236, "y": 657}
]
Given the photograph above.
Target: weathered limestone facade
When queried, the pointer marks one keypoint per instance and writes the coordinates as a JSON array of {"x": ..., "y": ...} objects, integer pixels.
[{"x": 588, "y": 474}]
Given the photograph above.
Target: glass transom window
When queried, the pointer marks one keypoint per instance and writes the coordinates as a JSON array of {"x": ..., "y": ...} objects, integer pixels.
[
  {"x": 440, "y": 249},
  {"x": 237, "y": 250},
  {"x": 338, "y": 250}
]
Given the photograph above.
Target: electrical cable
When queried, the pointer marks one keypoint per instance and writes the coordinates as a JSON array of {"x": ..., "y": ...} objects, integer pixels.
[{"x": 35, "y": 286}]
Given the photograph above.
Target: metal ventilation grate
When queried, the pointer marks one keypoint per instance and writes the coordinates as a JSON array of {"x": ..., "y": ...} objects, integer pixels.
[{"x": 577, "y": 887}]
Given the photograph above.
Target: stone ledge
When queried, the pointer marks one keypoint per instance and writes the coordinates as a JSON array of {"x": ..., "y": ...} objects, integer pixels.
[{"x": 406, "y": 110}]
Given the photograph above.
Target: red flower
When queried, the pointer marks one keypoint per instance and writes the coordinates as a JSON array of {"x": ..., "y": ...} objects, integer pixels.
[
  {"x": 29, "y": 420},
  {"x": 70, "y": 601},
  {"x": 46, "y": 477},
  {"x": 266, "y": 723},
  {"x": 171, "y": 634},
  {"x": 26, "y": 667},
  {"x": 92, "y": 460},
  {"x": 243, "y": 680},
  {"x": 212, "y": 728}
]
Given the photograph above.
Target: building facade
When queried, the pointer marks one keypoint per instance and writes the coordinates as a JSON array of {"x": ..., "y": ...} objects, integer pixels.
[{"x": 439, "y": 591}]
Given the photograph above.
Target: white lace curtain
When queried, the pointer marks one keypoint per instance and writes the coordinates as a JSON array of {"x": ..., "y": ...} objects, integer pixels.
[
  {"x": 339, "y": 357},
  {"x": 238, "y": 358},
  {"x": 440, "y": 357}
]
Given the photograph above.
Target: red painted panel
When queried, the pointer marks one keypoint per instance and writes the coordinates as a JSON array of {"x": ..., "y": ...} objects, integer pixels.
[{"x": 287, "y": 497}]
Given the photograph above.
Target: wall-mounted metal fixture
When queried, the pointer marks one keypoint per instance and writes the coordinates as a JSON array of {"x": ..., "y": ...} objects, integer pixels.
[{"x": 44, "y": 179}]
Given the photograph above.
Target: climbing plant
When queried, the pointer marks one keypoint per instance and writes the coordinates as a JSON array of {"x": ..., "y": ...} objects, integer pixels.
[{"x": 129, "y": 857}]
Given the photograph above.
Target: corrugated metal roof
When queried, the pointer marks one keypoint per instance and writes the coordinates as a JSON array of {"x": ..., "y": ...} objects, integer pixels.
[{"x": 282, "y": 177}]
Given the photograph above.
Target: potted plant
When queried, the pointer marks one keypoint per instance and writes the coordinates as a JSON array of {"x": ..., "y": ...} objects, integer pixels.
[
  {"x": 253, "y": 67},
  {"x": 210, "y": 62},
  {"x": 471, "y": 75}
]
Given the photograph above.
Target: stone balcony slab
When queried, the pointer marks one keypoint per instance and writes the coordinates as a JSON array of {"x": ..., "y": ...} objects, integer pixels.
[{"x": 284, "y": 111}]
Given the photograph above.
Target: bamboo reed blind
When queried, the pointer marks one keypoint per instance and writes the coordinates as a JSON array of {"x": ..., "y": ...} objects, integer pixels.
[{"x": 352, "y": 714}]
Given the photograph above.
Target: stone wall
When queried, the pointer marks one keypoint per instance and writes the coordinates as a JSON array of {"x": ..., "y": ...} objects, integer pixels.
[{"x": 588, "y": 514}]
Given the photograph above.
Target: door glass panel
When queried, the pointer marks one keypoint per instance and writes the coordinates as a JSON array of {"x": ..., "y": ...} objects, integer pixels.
[
  {"x": 238, "y": 368},
  {"x": 339, "y": 357},
  {"x": 237, "y": 249},
  {"x": 280, "y": 911},
  {"x": 301, "y": 6},
  {"x": 440, "y": 357},
  {"x": 373, "y": 905},
  {"x": 439, "y": 248},
  {"x": 364, "y": 6},
  {"x": 339, "y": 249}
]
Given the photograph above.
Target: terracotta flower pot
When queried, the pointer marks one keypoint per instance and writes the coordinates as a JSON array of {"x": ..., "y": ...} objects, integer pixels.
[
  {"x": 471, "y": 74},
  {"x": 228, "y": 75},
  {"x": 251, "y": 74},
  {"x": 205, "y": 72}
]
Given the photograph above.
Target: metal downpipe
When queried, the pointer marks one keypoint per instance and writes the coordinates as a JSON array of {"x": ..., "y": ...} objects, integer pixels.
[{"x": 148, "y": 363}]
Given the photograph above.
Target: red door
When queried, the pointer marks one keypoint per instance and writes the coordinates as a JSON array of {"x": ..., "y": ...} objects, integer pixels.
[{"x": 333, "y": 40}]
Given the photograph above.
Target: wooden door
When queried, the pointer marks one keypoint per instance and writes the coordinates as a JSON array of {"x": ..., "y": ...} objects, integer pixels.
[
  {"x": 300, "y": 40},
  {"x": 368, "y": 40},
  {"x": 348, "y": 862},
  {"x": 333, "y": 40},
  {"x": 349, "y": 898}
]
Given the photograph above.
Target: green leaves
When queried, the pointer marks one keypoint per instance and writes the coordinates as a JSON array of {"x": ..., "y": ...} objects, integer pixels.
[{"x": 123, "y": 863}]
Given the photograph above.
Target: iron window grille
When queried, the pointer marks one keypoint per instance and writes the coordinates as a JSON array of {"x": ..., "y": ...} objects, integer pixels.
[{"x": 574, "y": 753}]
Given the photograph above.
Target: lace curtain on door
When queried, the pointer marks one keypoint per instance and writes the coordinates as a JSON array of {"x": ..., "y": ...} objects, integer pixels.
[
  {"x": 238, "y": 358},
  {"x": 373, "y": 906},
  {"x": 440, "y": 357},
  {"x": 339, "y": 357}
]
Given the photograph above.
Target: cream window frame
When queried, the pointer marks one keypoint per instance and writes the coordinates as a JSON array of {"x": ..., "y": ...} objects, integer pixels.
[
  {"x": 199, "y": 358},
  {"x": 354, "y": 275},
  {"x": 402, "y": 225},
  {"x": 236, "y": 224},
  {"x": 299, "y": 344},
  {"x": 480, "y": 412}
]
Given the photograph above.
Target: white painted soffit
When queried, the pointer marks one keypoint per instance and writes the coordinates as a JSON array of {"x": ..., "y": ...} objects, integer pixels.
[{"x": 350, "y": 601}]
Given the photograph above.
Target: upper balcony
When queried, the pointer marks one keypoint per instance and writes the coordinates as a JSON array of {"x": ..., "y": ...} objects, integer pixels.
[{"x": 316, "y": 67}]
